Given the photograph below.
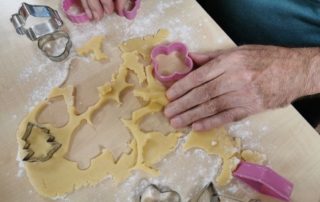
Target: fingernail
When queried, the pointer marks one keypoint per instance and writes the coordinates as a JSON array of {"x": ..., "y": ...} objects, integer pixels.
[
  {"x": 176, "y": 122},
  {"x": 120, "y": 13},
  {"x": 170, "y": 94},
  {"x": 95, "y": 15},
  {"x": 168, "y": 111},
  {"x": 197, "y": 126},
  {"x": 88, "y": 12},
  {"x": 107, "y": 11}
]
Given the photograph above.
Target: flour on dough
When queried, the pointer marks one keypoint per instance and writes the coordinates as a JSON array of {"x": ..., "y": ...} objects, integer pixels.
[
  {"x": 94, "y": 46},
  {"x": 59, "y": 176}
]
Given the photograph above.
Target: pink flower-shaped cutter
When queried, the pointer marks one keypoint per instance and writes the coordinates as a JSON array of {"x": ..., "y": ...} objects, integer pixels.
[
  {"x": 82, "y": 17},
  {"x": 75, "y": 18},
  {"x": 132, "y": 12},
  {"x": 166, "y": 50},
  {"x": 264, "y": 180}
]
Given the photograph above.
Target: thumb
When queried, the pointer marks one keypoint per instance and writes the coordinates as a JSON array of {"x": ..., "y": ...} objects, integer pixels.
[{"x": 202, "y": 58}]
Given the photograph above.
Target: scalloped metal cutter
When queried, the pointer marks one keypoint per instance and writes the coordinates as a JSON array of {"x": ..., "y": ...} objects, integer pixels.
[{"x": 36, "y": 31}]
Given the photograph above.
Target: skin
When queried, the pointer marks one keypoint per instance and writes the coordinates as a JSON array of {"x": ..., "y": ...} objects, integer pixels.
[
  {"x": 95, "y": 9},
  {"x": 232, "y": 84}
]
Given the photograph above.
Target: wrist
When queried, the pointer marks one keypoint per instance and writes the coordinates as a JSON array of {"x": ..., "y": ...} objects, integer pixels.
[{"x": 313, "y": 77}]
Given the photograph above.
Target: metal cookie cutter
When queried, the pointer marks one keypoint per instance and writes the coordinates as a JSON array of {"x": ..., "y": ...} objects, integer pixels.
[
  {"x": 155, "y": 194},
  {"x": 55, "y": 46},
  {"x": 55, "y": 146},
  {"x": 210, "y": 194},
  {"x": 36, "y": 31}
]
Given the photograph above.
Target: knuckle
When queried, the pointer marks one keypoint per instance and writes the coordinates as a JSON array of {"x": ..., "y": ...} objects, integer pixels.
[
  {"x": 247, "y": 75},
  {"x": 196, "y": 77},
  {"x": 207, "y": 91},
  {"x": 229, "y": 116},
  {"x": 211, "y": 107},
  {"x": 238, "y": 56}
]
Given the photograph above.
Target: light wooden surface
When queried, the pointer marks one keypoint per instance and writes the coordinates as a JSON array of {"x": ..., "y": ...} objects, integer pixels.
[{"x": 292, "y": 146}]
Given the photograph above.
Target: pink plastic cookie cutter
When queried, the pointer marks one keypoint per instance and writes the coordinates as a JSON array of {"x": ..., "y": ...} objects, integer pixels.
[
  {"x": 79, "y": 15},
  {"x": 264, "y": 180},
  {"x": 167, "y": 50},
  {"x": 132, "y": 11}
]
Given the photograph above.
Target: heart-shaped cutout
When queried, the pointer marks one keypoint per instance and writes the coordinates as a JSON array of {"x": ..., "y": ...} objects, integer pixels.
[{"x": 168, "y": 49}]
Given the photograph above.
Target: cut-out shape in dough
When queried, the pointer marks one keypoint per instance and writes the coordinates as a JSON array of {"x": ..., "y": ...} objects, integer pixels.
[
  {"x": 94, "y": 46},
  {"x": 59, "y": 176},
  {"x": 54, "y": 113},
  {"x": 68, "y": 177}
]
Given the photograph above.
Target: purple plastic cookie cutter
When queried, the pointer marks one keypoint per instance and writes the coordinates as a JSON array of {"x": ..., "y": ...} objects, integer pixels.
[
  {"x": 166, "y": 50},
  {"x": 264, "y": 180},
  {"x": 82, "y": 16}
]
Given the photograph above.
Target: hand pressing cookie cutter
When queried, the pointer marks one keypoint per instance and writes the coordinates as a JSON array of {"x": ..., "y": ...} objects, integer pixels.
[
  {"x": 154, "y": 193},
  {"x": 51, "y": 140},
  {"x": 264, "y": 180},
  {"x": 80, "y": 17},
  {"x": 36, "y": 31},
  {"x": 44, "y": 44},
  {"x": 166, "y": 50}
]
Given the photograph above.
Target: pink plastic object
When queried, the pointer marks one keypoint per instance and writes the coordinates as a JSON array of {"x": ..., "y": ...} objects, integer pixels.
[
  {"x": 132, "y": 12},
  {"x": 264, "y": 180},
  {"x": 75, "y": 18},
  {"x": 166, "y": 50}
]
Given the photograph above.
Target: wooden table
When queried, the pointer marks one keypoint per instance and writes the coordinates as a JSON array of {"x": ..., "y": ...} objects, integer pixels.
[{"x": 291, "y": 144}]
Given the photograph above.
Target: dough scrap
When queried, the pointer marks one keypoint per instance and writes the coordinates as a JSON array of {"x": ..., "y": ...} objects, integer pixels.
[
  {"x": 94, "y": 45},
  {"x": 224, "y": 146},
  {"x": 145, "y": 44},
  {"x": 59, "y": 176},
  {"x": 253, "y": 157},
  {"x": 131, "y": 61}
]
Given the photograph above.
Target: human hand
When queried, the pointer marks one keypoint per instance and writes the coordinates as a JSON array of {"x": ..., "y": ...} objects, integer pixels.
[
  {"x": 232, "y": 84},
  {"x": 96, "y": 8}
]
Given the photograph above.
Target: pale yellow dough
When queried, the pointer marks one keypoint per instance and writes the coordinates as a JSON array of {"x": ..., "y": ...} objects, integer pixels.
[
  {"x": 253, "y": 157},
  {"x": 59, "y": 176},
  {"x": 217, "y": 142},
  {"x": 94, "y": 46}
]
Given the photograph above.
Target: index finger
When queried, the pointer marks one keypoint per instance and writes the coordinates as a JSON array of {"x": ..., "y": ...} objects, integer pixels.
[
  {"x": 86, "y": 8},
  {"x": 194, "y": 79},
  {"x": 120, "y": 6}
]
